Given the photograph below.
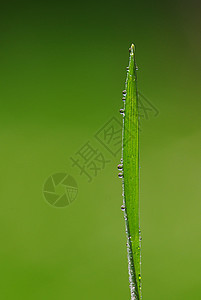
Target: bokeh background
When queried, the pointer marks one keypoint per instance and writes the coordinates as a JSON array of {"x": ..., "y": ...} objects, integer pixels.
[{"x": 63, "y": 67}]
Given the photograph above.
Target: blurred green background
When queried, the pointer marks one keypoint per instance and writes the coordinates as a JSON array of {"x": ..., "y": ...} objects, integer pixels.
[{"x": 63, "y": 67}]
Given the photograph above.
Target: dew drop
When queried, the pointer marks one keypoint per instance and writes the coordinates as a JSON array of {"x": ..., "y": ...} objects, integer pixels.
[
  {"x": 139, "y": 276},
  {"x": 120, "y": 166},
  {"x": 124, "y": 92},
  {"x": 120, "y": 175},
  {"x": 123, "y": 98},
  {"x": 127, "y": 68},
  {"x": 121, "y": 111},
  {"x": 122, "y": 207}
]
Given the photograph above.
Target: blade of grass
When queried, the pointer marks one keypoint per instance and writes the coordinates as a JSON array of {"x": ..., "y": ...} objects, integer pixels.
[{"x": 130, "y": 176}]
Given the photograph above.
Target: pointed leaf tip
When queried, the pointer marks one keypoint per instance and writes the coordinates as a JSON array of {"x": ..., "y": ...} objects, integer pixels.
[{"x": 132, "y": 49}]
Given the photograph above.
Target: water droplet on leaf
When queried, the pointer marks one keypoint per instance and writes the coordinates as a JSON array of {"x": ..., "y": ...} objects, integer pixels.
[
  {"x": 120, "y": 166},
  {"x": 122, "y": 207}
]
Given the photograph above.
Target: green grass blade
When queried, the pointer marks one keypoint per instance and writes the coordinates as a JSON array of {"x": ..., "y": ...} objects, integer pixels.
[{"x": 130, "y": 165}]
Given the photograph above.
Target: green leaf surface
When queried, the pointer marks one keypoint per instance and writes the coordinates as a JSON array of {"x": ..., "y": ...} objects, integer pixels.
[{"x": 130, "y": 176}]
